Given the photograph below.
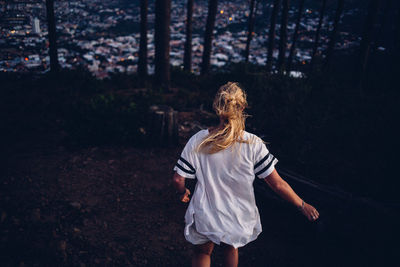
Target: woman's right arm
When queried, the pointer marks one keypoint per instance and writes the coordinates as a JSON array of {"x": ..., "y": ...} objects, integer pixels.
[{"x": 283, "y": 189}]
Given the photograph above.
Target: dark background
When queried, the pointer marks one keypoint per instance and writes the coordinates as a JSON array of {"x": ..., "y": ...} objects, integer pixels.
[{"x": 83, "y": 184}]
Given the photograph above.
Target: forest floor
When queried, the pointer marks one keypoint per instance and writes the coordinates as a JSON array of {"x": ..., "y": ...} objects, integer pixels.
[{"x": 115, "y": 206}]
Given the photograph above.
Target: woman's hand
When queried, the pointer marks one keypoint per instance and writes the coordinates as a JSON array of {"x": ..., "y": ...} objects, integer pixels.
[
  {"x": 185, "y": 196},
  {"x": 310, "y": 212},
  {"x": 179, "y": 184}
]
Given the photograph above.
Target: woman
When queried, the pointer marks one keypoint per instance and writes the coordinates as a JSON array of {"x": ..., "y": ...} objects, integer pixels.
[{"x": 225, "y": 160}]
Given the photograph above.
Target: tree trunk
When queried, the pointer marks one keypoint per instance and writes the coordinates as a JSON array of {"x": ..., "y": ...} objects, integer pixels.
[
  {"x": 253, "y": 10},
  {"x": 317, "y": 33},
  {"x": 208, "y": 36},
  {"x": 386, "y": 24},
  {"x": 51, "y": 24},
  {"x": 283, "y": 36},
  {"x": 395, "y": 49},
  {"x": 295, "y": 35},
  {"x": 362, "y": 61},
  {"x": 332, "y": 39},
  {"x": 271, "y": 34},
  {"x": 161, "y": 40},
  {"x": 187, "y": 57},
  {"x": 142, "y": 64}
]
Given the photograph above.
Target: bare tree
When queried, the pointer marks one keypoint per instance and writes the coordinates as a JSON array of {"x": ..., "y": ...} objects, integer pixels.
[
  {"x": 142, "y": 64},
  {"x": 161, "y": 40},
  {"x": 317, "y": 33},
  {"x": 395, "y": 48},
  {"x": 283, "y": 36},
  {"x": 271, "y": 34},
  {"x": 51, "y": 24},
  {"x": 187, "y": 57},
  {"x": 295, "y": 35},
  {"x": 386, "y": 23},
  {"x": 253, "y": 12},
  {"x": 365, "y": 44},
  {"x": 332, "y": 39},
  {"x": 208, "y": 36}
]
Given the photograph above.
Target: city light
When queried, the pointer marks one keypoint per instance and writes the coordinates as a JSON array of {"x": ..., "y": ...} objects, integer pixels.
[{"x": 114, "y": 47}]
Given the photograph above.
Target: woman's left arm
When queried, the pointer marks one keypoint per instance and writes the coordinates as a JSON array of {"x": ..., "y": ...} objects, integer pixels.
[
  {"x": 283, "y": 189},
  {"x": 179, "y": 184}
]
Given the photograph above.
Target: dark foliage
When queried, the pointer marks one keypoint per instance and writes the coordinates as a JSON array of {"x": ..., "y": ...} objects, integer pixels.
[
  {"x": 319, "y": 126},
  {"x": 73, "y": 104}
]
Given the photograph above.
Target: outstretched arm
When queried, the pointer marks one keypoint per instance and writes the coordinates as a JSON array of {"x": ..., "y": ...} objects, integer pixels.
[
  {"x": 283, "y": 189},
  {"x": 179, "y": 184}
]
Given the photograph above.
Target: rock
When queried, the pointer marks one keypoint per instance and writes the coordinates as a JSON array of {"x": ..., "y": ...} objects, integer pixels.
[
  {"x": 35, "y": 215},
  {"x": 63, "y": 245},
  {"x": 76, "y": 205},
  {"x": 162, "y": 125},
  {"x": 92, "y": 201},
  {"x": 3, "y": 216},
  {"x": 16, "y": 221},
  {"x": 75, "y": 159}
]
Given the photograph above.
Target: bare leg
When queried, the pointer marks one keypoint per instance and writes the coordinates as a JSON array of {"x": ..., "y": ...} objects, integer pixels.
[
  {"x": 201, "y": 254},
  {"x": 231, "y": 255}
]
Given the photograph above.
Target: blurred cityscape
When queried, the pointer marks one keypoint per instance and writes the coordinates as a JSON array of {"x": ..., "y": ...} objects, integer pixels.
[{"x": 103, "y": 36}]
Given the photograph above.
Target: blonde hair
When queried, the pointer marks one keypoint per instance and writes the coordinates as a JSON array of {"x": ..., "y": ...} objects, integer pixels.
[{"x": 229, "y": 103}]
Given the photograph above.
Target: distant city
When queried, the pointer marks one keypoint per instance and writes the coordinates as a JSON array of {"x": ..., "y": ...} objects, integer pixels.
[{"x": 103, "y": 36}]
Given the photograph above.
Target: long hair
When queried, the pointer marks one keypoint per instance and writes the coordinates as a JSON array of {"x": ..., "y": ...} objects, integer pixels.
[{"x": 229, "y": 104}]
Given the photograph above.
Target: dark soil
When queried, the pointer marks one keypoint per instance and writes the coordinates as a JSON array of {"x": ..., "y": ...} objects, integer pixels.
[{"x": 115, "y": 206}]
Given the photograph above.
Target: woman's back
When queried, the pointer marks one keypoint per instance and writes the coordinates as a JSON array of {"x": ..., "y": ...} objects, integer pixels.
[{"x": 223, "y": 204}]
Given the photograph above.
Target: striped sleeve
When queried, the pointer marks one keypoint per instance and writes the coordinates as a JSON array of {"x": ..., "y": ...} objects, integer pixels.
[
  {"x": 264, "y": 162},
  {"x": 185, "y": 164}
]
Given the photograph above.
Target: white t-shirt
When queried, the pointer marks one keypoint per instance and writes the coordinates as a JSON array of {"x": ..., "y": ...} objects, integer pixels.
[{"x": 223, "y": 207}]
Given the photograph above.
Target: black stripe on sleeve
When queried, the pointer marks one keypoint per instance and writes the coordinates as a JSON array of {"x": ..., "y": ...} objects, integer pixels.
[
  {"x": 188, "y": 164},
  {"x": 266, "y": 167},
  {"x": 183, "y": 169},
  {"x": 261, "y": 161}
]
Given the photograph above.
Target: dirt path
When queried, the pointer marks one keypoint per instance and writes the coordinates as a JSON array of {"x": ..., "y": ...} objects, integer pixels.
[
  {"x": 101, "y": 206},
  {"x": 96, "y": 206}
]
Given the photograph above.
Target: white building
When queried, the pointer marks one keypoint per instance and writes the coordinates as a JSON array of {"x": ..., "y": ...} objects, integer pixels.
[{"x": 36, "y": 26}]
